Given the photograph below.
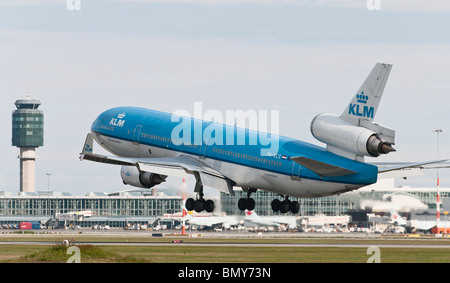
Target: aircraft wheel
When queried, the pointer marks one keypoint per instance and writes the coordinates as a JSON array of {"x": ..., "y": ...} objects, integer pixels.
[
  {"x": 250, "y": 204},
  {"x": 285, "y": 206},
  {"x": 209, "y": 206},
  {"x": 242, "y": 204},
  {"x": 295, "y": 207},
  {"x": 199, "y": 205},
  {"x": 190, "y": 204},
  {"x": 276, "y": 205}
]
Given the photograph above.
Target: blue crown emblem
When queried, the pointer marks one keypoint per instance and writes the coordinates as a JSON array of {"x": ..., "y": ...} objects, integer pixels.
[{"x": 361, "y": 98}]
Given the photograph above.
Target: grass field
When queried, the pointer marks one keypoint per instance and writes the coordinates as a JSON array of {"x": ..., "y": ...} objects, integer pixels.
[{"x": 182, "y": 253}]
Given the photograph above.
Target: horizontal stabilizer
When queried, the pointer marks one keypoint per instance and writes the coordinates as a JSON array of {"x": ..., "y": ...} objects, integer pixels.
[{"x": 321, "y": 168}]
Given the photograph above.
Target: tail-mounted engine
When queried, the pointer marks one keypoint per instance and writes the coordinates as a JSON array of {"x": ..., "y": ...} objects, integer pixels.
[
  {"x": 346, "y": 139},
  {"x": 133, "y": 177}
]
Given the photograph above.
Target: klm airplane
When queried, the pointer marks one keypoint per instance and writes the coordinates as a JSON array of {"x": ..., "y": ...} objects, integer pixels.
[{"x": 150, "y": 146}]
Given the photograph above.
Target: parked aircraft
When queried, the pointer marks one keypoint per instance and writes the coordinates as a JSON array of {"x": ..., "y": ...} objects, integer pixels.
[{"x": 274, "y": 220}]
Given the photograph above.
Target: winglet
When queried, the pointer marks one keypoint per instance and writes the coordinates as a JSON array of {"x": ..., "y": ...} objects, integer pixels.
[{"x": 88, "y": 146}]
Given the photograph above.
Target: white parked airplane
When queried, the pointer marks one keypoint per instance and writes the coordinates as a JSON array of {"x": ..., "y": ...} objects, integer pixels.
[
  {"x": 225, "y": 221},
  {"x": 152, "y": 145},
  {"x": 414, "y": 223},
  {"x": 253, "y": 218}
]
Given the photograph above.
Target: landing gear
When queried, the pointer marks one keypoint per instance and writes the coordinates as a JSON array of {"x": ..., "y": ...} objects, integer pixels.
[
  {"x": 247, "y": 203},
  {"x": 199, "y": 204},
  {"x": 285, "y": 206}
]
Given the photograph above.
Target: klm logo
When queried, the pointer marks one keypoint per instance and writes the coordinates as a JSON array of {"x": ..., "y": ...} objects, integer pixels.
[
  {"x": 359, "y": 109},
  {"x": 88, "y": 148},
  {"x": 118, "y": 122}
]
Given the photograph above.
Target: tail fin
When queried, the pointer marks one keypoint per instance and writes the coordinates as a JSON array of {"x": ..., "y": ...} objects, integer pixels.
[
  {"x": 354, "y": 134},
  {"x": 250, "y": 214},
  {"x": 365, "y": 103},
  {"x": 396, "y": 218}
]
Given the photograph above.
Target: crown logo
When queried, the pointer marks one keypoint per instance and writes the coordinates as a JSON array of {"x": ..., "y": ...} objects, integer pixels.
[
  {"x": 361, "y": 98},
  {"x": 120, "y": 116}
]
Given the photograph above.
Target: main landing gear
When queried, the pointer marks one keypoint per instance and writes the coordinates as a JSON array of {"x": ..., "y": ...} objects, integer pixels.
[
  {"x": 285, "y": 206},
  {"x": 247, "y": 203},
  {"x": 199, "y": 204}
]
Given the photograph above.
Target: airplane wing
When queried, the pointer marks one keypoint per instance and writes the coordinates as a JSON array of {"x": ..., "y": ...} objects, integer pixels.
[
  {"x": 328, "y": 170},
  {"x": 178, "y": 166}
]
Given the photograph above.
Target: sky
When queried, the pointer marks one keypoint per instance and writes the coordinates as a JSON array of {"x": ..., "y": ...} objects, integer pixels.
[{"x": 301, "y": 57}]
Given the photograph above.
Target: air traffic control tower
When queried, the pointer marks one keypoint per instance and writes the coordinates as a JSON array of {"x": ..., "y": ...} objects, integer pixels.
[{"x": 27, "y": 134}]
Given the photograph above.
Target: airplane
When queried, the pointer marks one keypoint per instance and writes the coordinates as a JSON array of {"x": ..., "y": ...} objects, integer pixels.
[
  {"x": 252, "y": 217},
  {"x": 397, "y": 219},
  {"x": 143, "y": 142},
  {"x": 414, "y": 224},
  {"x": 202, "y": 219},
  {"x": 225, "y": 221}
]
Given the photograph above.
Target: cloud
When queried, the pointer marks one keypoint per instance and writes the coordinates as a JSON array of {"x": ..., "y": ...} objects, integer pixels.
[
  {"x": 420, "y": 6},
  {"x": 430, "y": 6},
  {"x": 30, "y": 2},
  {"x": 417, "y": 6}
]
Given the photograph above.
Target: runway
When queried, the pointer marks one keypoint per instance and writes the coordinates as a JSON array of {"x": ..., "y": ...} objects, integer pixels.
[
  {"x": 183, "y": 243},
  {"x": 120, "y": 237}
]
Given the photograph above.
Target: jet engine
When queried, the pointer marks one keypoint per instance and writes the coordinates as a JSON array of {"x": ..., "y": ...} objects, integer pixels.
[
  {"x": 359, "y": 140},
  {"x": 133, "y": 177}
]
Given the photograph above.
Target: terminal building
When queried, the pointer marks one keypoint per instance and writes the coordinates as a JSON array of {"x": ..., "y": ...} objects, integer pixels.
[
  {"x": 141, "y": 207},
  {"x": 363, "y": 199},
  {"x": 115, "y": 210}
]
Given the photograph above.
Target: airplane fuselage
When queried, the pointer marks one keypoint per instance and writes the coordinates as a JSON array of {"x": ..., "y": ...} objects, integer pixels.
[{"x": 143, "y": 133}]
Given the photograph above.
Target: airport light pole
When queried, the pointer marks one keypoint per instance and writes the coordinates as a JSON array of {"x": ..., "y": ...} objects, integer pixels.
[
  {"x": 48, "y": 181},
  {"x": 445, "y": 227},
  {"x": 48, "y": 193},
  {"x": 437, "y": 131}
]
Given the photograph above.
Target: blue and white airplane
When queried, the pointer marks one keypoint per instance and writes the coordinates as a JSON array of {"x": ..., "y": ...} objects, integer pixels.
[{"x": 144, "y": 144}]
